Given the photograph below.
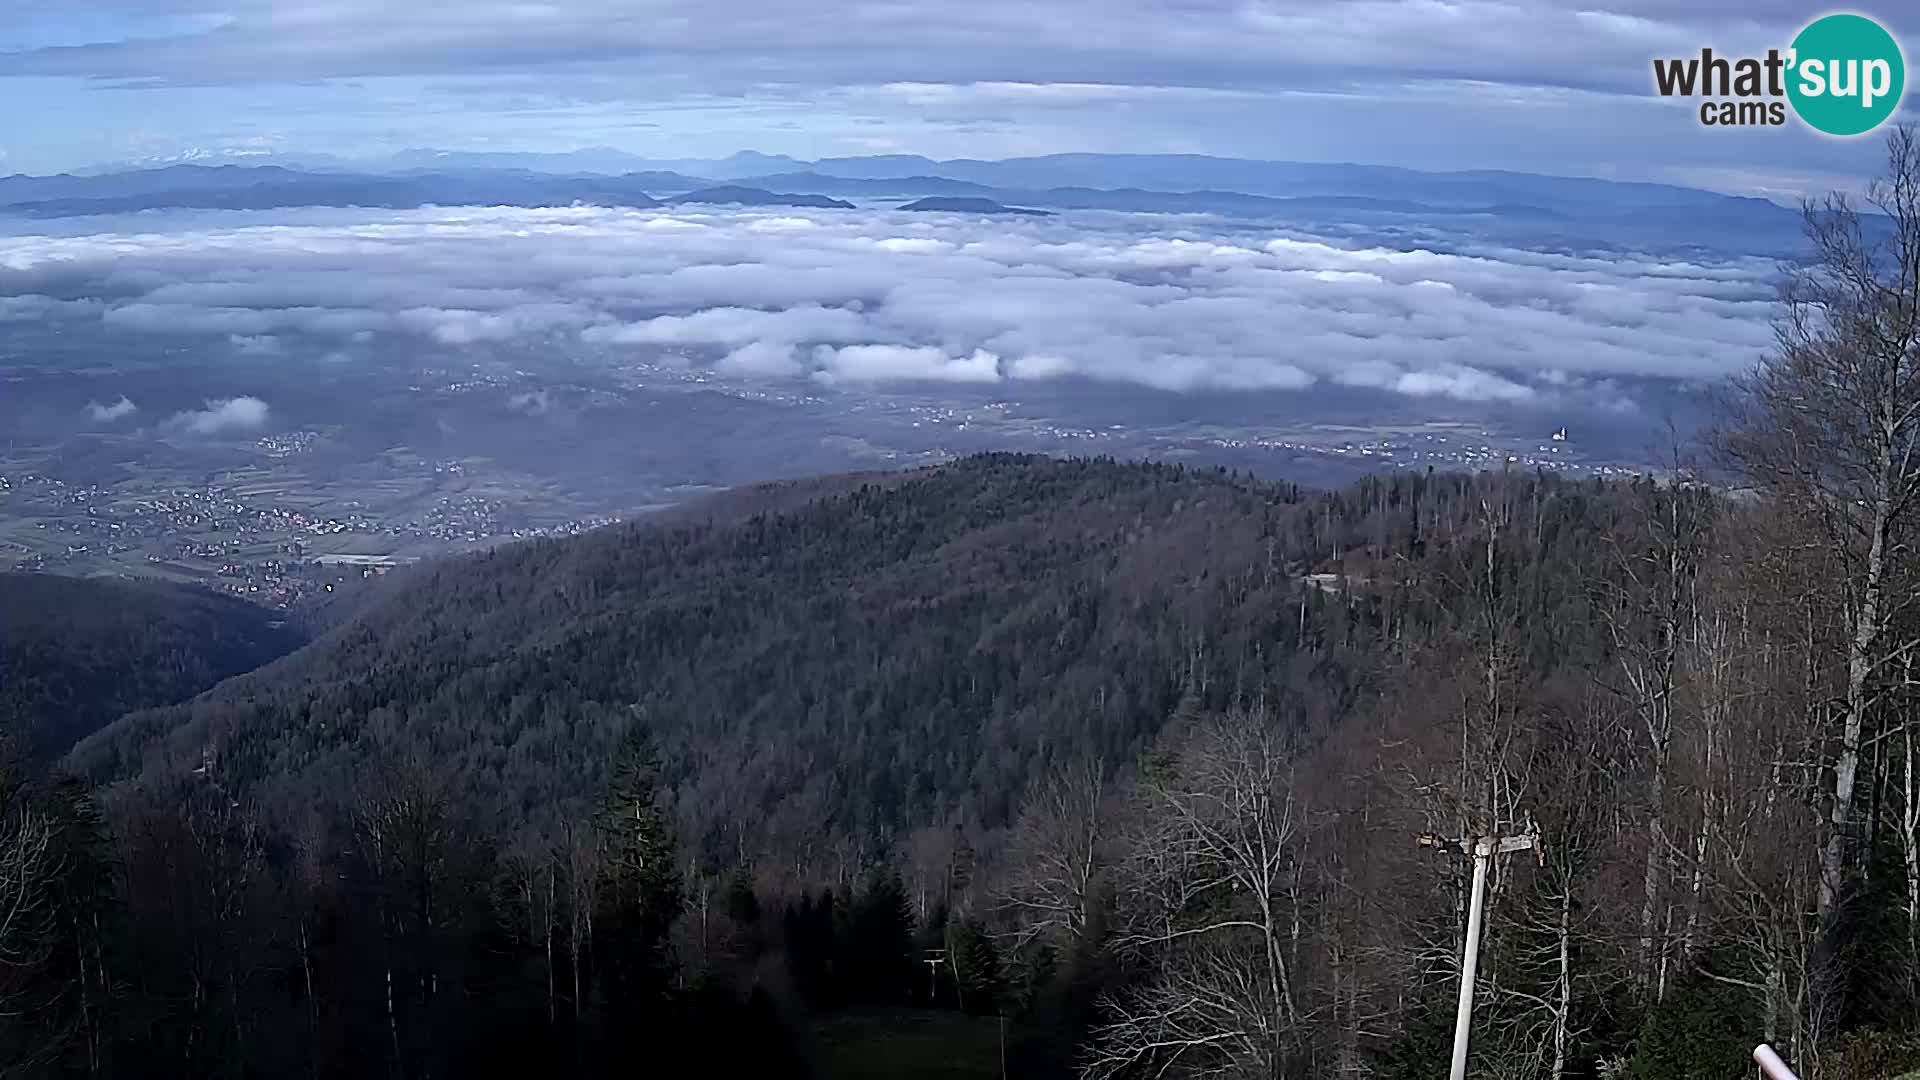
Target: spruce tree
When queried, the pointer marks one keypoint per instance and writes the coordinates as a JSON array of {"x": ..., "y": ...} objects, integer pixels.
[{"x": 639, "y": 894}]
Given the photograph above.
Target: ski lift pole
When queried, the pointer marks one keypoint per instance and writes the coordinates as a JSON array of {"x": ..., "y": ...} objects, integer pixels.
[
  {"x": 1770, "y": 1064},
  {"x": 1483, "y": 850}
]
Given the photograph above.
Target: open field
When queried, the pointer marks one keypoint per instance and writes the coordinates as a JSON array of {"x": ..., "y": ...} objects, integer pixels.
[{"x": 908, "y": 1042}]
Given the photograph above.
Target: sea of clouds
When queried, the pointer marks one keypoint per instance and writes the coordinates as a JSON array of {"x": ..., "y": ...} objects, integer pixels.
[{"x": 875, "y": 296}]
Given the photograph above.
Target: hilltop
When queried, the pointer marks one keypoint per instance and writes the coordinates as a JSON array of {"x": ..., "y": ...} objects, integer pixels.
[
  {"x": 960, "y": 204},
  {"x": 76, "y": 653}
]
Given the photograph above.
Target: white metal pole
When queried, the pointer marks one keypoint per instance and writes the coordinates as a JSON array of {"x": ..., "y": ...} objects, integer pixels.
[
  {"x": 1770, "y": 1063},
  {"x": 1470, "y": 958}
]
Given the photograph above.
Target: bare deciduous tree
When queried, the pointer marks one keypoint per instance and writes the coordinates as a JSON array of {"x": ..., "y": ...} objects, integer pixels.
[
  {"x": 1056, "y": 854},
  {"x": 26, "y": 920},
  {"x": 1214, "y": 874},
  {"x": 1829, "y": 427},
  {"x": 1657, "y": 557}
]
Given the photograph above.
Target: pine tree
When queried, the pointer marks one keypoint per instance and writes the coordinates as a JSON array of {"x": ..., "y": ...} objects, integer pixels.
[
  {"x": 977, "y": 965},
  {"x": 878, "y": 949},
  {"x": 639, "y": 895}
]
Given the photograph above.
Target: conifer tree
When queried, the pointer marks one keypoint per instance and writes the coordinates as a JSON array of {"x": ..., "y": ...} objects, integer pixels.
[{"x": 639, "y": 895}]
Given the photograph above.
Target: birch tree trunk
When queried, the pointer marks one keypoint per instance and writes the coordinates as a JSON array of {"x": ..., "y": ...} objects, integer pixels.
[{"x": 1829, "y": 426}]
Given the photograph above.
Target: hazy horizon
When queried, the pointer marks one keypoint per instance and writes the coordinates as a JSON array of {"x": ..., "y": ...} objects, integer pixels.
[
  {"x": 1551, "y": 88},
  {"x": 638, "y": 157}
]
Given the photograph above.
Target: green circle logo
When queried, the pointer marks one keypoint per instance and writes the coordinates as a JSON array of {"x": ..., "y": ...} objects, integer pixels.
[{"x": 1846, "y": 75}]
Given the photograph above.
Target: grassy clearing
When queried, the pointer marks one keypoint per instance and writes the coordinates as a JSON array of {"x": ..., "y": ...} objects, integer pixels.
[{"x": 907, "y": 1042}]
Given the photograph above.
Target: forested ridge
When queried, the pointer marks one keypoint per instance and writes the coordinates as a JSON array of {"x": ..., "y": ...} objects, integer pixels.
[
  {"x": 76, "y": 653},
  {"x": 864, "y": 665},
  {"x": 1165, "y": 767},
  {"x": 859, "y": 694}
]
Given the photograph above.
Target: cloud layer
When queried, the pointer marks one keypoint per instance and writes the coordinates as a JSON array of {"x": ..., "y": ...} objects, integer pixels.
[
  {"x": 736, "y": 44},
  {"x": 223, "y": 417},
  {"x": 873, "y": 296},
  {"x": 107, "y": 414}
]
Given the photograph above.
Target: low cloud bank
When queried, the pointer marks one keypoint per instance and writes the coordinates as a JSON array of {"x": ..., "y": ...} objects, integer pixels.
[
  {"x": 223, "y": 417},
  {"x": 874, "y": 296},
  {"x": 107, "y": 414}
]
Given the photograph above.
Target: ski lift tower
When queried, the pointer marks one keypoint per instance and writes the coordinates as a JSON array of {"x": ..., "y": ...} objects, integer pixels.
[{"x": 1483, "y": 849}]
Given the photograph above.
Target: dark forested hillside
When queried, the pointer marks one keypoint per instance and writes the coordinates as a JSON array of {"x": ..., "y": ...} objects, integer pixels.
[
  {"x": 77, "y": 652},
  {"x": 1092, "y": 737},
  {"x": 849, "y": 695},
  {"x": 866, "y": 663}
]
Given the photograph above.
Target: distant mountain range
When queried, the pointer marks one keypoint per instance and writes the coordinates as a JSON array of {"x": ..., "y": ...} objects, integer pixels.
[
  {"x": 1154, "y": 172},
  {"x": 1115, "y": 182},
  {"x": 233, "y": 187},
  {"x": 962, "y": 204},
  {"x": 736, "y": 195},
  {"x": 602, "y": 160}
]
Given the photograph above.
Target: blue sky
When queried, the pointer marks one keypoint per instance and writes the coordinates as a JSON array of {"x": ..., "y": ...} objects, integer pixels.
[{"x": 1559, "y": 86}]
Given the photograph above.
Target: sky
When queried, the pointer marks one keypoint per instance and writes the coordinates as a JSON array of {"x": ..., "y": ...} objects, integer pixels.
[{"x": 1552, "y": 86}]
